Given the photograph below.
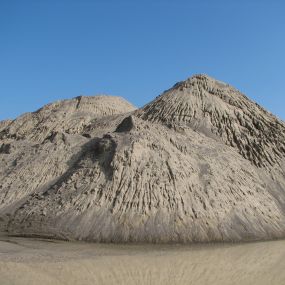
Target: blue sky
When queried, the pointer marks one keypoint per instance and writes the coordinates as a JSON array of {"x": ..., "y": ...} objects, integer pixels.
[{"x": 51, "y": 50}]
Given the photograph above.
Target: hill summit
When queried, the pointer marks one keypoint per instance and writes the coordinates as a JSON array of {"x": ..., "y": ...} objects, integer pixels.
[{"x": 200, "y": 163}]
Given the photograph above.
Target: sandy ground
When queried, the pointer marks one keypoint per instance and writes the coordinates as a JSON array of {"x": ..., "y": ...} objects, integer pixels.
[{"x": 36, "y": 261}]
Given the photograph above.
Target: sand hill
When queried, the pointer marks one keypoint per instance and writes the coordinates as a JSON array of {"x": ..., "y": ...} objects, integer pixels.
[{"x": 200, "y": 163}]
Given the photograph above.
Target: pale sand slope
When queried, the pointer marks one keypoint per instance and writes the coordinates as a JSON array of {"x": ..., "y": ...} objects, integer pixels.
[
  {"x": 29, "y": 261},
  {"x": 200, "y": 163}
]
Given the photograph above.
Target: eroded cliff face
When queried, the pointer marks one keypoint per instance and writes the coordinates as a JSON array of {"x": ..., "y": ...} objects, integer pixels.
[{"x": 200, "y": 163}]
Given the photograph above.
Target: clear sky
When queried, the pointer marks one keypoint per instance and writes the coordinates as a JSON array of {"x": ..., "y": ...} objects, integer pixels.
[{"x": 57, "y": 49}]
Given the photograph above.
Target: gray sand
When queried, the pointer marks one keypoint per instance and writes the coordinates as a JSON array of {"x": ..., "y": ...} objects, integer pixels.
[
  {"x": 201, "y": 162},
  {"x": 36, "y": 261}
]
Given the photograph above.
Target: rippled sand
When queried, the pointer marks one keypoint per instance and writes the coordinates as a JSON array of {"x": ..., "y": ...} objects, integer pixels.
[{"x": 35, "y": 261}]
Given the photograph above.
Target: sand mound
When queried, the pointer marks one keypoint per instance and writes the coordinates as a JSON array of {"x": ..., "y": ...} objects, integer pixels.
[{"x": 200, "y": 163}]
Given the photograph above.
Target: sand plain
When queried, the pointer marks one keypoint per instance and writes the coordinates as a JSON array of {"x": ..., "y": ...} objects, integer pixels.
[{"x": 37, "y": 261}]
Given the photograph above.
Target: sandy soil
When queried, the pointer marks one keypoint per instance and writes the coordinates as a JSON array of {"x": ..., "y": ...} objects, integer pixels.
[
  {"x": 199, "y": 163},
  {"x": 36, "y": 261}
]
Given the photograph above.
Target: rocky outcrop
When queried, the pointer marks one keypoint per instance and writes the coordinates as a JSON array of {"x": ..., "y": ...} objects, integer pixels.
[{"x": 200, "y": 163}]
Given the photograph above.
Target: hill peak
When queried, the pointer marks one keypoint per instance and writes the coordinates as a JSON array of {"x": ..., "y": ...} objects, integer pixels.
[
  {"x": 200, "y": 79},
  {"x": 221, "y": 112}
]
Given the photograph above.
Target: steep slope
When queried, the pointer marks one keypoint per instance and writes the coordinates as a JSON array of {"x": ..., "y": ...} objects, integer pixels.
[
  {"x": 35, "y": 149},
  {"x": 220, "y": 111},
  {"x": 199, "y": 163}
]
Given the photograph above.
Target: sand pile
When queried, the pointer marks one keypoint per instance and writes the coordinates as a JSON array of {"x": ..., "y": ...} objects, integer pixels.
[{"x": 201, "y": 162}]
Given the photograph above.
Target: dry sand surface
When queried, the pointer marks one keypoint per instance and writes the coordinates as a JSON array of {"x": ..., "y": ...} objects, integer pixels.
[
  {"x": 35, "y": 261},
  {"x": 200, "y": 163}
]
